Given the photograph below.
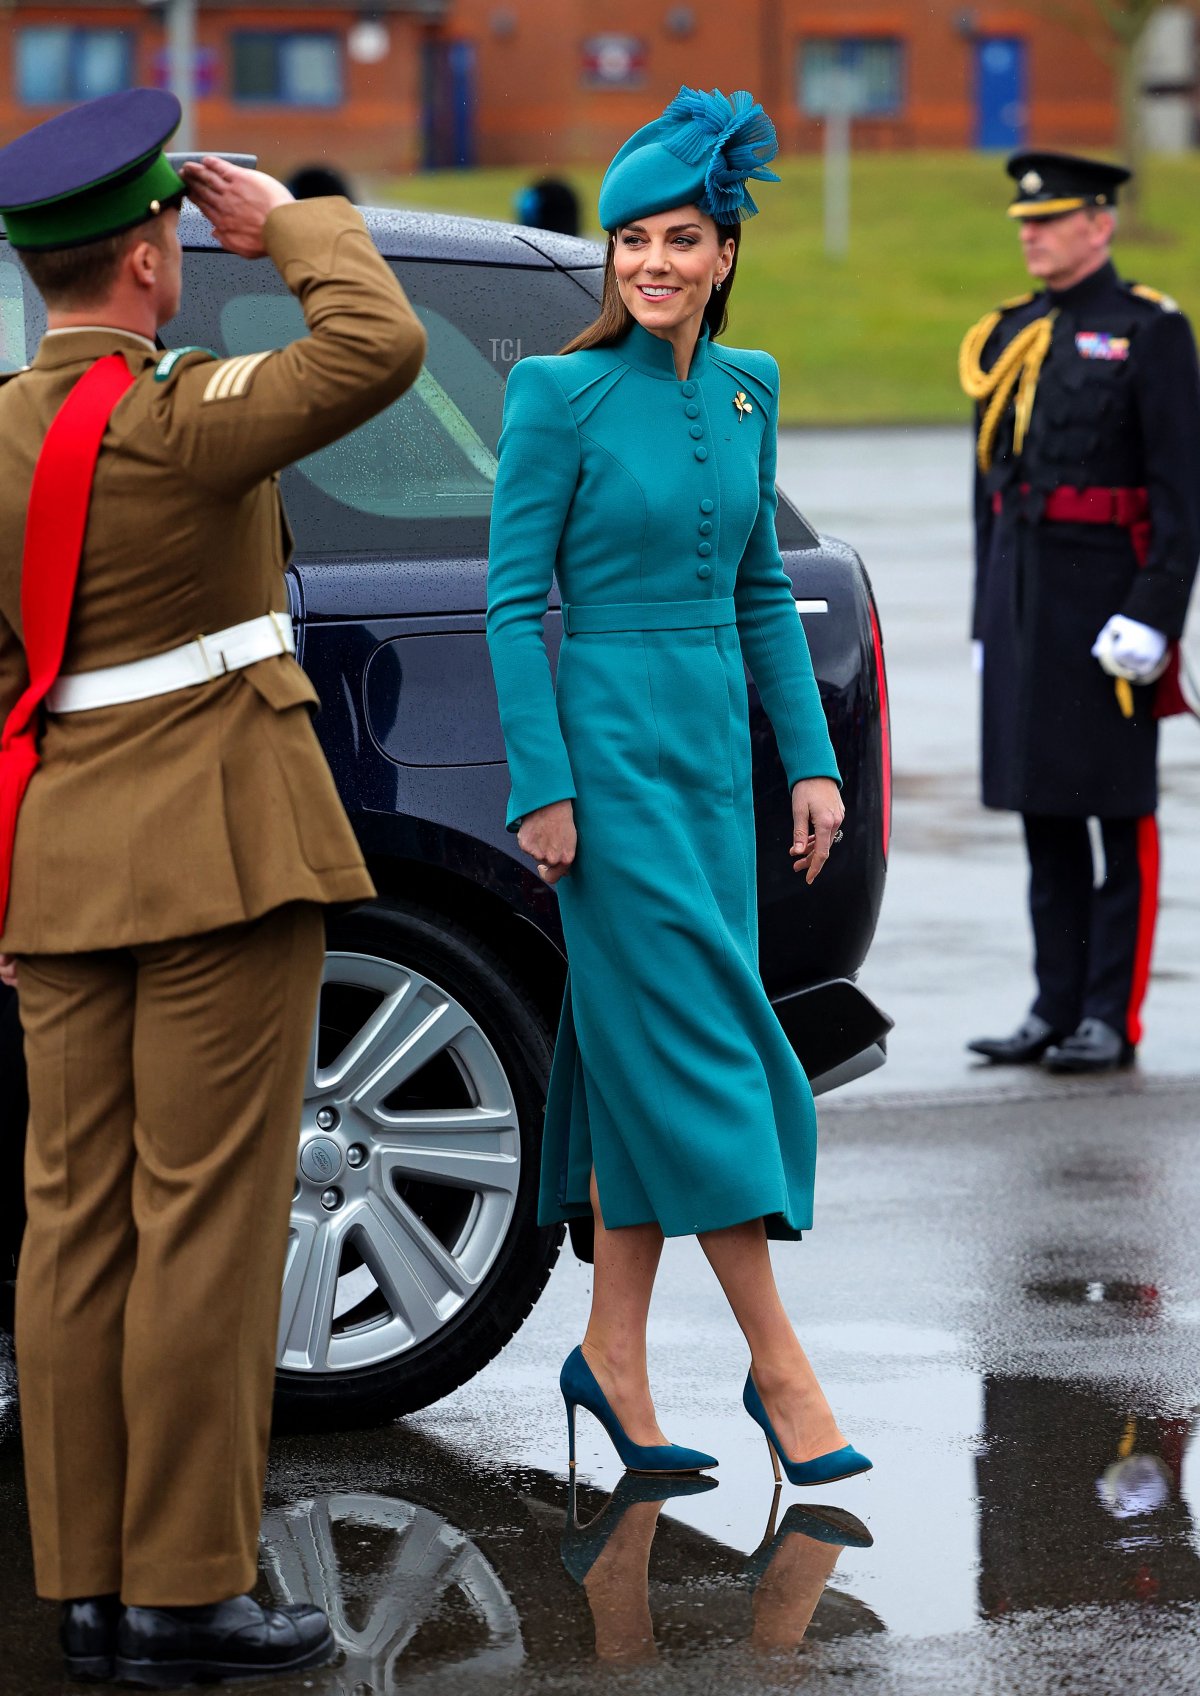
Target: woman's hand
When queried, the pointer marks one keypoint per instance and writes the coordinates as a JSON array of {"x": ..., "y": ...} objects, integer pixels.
[
  {"x": 547, "y": 835},
  {"x": 8, "y": 970},
  {"x": 817, "y": 814}
]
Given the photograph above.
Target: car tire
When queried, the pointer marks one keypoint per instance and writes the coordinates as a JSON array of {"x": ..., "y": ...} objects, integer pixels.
[{"x": 507, "y": 1051}]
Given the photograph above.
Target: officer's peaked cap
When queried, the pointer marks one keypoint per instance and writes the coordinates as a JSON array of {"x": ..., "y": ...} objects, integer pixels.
[
  {"x": 702, "y": 151},
  {"x": 1049, "y": 184},
  {"x": 90, "y": 172}
]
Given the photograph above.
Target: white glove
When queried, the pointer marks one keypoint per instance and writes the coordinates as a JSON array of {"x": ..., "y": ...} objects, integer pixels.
[{"x": 1131, "y": 650}]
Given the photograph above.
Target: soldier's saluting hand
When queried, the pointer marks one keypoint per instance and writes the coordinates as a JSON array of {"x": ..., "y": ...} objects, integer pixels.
[
  {"x": 235, "y": 201},
  {"x": 170, "y": 831}
]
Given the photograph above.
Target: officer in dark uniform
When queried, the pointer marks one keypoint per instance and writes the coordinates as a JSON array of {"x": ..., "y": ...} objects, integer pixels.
[{"x": 1087, "y": 519}]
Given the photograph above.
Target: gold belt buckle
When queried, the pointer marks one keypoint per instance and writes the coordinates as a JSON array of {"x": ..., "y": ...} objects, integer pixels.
[{"x": 202, "y": 644}]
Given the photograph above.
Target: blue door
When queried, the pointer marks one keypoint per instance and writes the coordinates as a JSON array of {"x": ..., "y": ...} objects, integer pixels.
[
  {"x": 1000, "y": 92},
  {"x": 447, "y": 103}
]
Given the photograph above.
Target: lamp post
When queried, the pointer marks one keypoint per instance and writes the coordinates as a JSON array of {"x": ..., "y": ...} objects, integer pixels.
[
  {"x": 181, "y": 67},
  {"x": 837, "y": 163}
]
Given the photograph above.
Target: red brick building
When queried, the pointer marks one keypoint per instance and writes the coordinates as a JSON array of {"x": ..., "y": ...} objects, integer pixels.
[
  {"x": 391, "y": 85},
  {"x": 293, "y": 83},
  {"x": 569, "y": 80}
]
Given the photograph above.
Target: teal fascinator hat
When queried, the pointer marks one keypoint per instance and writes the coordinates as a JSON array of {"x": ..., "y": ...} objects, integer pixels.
[{"x": 702, "y": 151}]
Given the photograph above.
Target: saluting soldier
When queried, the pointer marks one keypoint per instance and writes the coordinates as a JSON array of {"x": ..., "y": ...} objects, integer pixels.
[
  {"x": 1087, "y": 523},
  {"x": 172, "y": 855}
]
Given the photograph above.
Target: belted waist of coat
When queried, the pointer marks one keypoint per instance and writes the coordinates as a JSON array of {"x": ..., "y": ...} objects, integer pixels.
[
  {"x": 647, "y": 615},
  {"x": 1125, "y": 507}
]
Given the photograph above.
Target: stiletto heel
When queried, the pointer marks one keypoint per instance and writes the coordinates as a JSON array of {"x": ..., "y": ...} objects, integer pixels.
[
  {"x": 824, "y": 1469},
  {"x": 774, "y": 1460},
  {"x": 571, "y": 1435},
  {"x": 578, "y": 1384}
]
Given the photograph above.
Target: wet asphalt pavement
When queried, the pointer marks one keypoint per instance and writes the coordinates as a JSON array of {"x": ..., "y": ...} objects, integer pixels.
[{"x": 1002, "y": 1295}]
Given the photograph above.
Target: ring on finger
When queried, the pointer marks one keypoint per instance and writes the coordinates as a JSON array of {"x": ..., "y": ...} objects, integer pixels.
[{"x": 837, "y": 836}]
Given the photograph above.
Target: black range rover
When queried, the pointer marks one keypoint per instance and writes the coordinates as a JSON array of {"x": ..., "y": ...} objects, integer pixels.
[{"x": 415, "y": 1252}]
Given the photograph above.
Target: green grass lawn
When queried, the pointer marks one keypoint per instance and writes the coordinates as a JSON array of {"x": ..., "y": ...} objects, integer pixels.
[{"x": 873, "y": 338}]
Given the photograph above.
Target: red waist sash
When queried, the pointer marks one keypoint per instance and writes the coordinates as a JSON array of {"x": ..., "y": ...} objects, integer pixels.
[
  {"x": 1129, "y": 509},
  {"x": 54, "y": 531}
]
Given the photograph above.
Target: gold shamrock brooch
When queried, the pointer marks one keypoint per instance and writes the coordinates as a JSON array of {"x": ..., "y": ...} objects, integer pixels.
[{"x": 742, "y": 404}]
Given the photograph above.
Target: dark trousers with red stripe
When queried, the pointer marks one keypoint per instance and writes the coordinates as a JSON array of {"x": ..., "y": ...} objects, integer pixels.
[{"x": 1093, "y": 927}]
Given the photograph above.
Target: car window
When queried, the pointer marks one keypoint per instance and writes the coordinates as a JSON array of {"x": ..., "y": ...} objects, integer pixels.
[
  {"x": 791, "y": 526},
  {"x": 424, "y": 458},
  {"x": 22, "y": 317},
  {"x": 417, "y": 479}
]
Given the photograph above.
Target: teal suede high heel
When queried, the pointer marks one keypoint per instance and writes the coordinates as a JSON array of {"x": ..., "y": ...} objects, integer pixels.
[
  {"x": 823, "y": 1469},
  {"x": 582, "y": 1545},
  {"x": 578, "y": 1384}
]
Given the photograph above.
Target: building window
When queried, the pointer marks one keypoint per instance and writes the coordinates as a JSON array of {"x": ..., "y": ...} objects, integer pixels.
[
  {"x": 869, "y": 73},
  {"x": 278, "y": 68},
  {"x": 56, "y": 65}
]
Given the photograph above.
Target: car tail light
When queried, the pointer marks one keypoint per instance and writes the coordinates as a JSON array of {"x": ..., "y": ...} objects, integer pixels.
[{"x": 885, "y": 730}]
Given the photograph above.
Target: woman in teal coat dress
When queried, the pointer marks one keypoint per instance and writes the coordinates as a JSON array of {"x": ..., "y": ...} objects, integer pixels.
[{"x": 639, "y": 468}]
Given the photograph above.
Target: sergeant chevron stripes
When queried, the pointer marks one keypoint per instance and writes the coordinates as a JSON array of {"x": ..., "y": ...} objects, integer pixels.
[{"x": 232, "y": 377}]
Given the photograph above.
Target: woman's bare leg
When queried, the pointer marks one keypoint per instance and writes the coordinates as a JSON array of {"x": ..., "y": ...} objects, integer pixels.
[
  {"x": 793, "y": 1398},
  {"x": 614, "y": 1344}
]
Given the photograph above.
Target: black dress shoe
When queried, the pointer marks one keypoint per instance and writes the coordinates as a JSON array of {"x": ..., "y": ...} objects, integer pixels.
[
  {"x": 163, "y": 1648},
  {"x": 1094, "y": 1047},
  {"x": 1026, "y": 1044},
  {"x": 88, "y": 1634}
]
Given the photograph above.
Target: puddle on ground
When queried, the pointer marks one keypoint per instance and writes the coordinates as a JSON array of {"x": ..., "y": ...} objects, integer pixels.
[
  {"x": 562, "y": 1578},
  {"x": 1075, "y": 1500}
]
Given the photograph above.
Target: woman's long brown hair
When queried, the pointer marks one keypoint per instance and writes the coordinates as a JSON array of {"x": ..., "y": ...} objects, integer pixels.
[{"x": 615, "y": 319}]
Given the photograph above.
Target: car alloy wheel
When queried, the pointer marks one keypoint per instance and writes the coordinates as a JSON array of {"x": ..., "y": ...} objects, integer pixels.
[{"x": 408, "y": 1169}]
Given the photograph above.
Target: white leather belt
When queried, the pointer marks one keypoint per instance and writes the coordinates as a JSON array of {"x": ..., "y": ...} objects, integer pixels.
[{"x": 200, "y": 661}]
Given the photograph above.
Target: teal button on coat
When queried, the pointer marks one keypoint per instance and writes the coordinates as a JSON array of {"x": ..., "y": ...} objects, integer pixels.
[{"x": 653, "y": 501}]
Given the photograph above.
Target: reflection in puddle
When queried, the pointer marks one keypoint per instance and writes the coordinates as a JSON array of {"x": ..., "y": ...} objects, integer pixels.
[
  {"x": 1133, "y": 1299},
  {"x": 408, "y": 1592},
  {"x": 609, "y": 1557},
  {"x": 1081, "y": 1500},
  {"x": 394, "y": 1578}
]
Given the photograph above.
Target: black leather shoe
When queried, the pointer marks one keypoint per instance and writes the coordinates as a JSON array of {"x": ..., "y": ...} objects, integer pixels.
[
  {"x": 88, "y": 1634},
  {"x": 163, "y": 1648},
  {"x": 1027, "y": 1044},
  {"x": 1094, "y": 1047}
]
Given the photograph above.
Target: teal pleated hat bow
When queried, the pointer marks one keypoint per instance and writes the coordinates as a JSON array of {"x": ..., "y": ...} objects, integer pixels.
[{"x": 702, "y": 151}]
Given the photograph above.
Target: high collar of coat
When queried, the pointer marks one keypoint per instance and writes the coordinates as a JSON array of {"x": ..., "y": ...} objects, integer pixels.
[
  {"x": 1096, "y": 283},
  {"x": 655, "y": 355},
  {"x": 83, "y": 343}
]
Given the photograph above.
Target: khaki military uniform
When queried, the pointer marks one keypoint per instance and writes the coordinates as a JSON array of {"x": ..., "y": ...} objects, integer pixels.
[{"x": 171, "y": 859}]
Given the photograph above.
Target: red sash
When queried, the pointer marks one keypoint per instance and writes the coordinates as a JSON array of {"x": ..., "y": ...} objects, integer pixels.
[
  {"x": 1130, "y": 509},
  {"x": 54, "y": 530}
]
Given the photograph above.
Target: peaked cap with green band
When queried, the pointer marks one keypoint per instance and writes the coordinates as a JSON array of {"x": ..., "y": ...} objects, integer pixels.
[
  {"x": 90, "y": 172},
  {"x": 701, "y": 151}
]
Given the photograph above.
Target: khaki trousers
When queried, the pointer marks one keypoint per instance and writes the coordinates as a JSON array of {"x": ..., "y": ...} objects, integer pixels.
[{"x": 165, "y": 1087}]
